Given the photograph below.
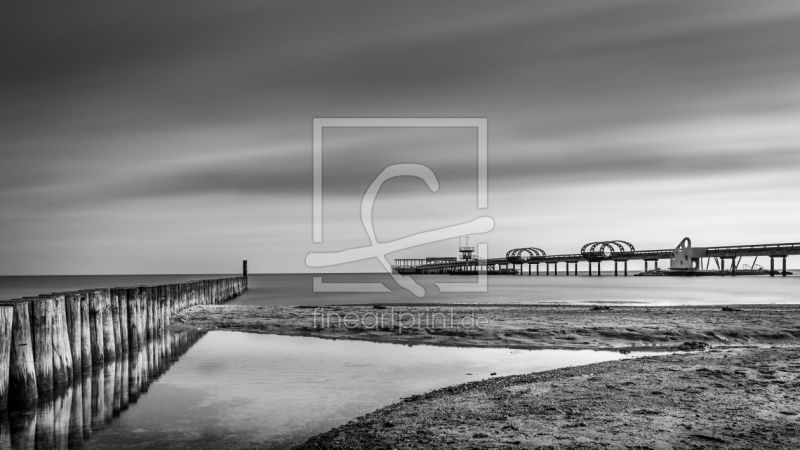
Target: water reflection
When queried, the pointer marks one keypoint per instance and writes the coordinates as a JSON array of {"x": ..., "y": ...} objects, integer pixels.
[{"x": 68, "y": 416}]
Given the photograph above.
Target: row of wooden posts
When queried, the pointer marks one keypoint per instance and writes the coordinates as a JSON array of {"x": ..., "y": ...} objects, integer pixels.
[
  {"x": 45, "y": 340},
  {"x": 73, "y": 412}
]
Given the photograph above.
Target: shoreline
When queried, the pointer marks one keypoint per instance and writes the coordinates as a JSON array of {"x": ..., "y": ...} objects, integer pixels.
[
  {"x": 516, "y": 326},
  {"x": 740, "y": 393},
  {"x": 731, "y": 398}
]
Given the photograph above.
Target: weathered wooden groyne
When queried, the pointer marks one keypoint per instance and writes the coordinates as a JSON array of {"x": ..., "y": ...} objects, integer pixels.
[
  {"x": 71, "y": 413},
  {"x": 47, "y": 341}
]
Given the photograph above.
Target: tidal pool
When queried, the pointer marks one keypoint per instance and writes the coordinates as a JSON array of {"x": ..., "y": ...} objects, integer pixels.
[{"x": 227, "y": 389}]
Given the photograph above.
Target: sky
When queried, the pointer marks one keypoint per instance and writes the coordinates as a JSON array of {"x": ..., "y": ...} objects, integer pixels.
[{"x": 140, "y": 138}]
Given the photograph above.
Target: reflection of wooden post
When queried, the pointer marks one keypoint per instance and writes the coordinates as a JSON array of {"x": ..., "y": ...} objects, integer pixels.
[
  {"x": 72, "y": 305},
  {"x": 42, "y": 313},
  {"x": 96, "y": 326},
  {"x": 109, "y": 371},
  {"x": 98, "y": 399},
  {"x": 75, "y": 437},
  {"x": 23, "y": 431},
  {"x": 62, "y": 354},
  {"x": 6, "y": 326},
  {"x": 62, "y": 407},
  {"x": 124, "y": 382},
  {"x": 86, "y": 385},
  {"x": 118, "y": 385},
  {"x": 86, "y": 333},
  {"x": 45, "y": 422}
]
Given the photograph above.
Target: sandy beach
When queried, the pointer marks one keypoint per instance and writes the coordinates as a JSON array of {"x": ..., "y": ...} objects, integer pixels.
[
  {"x": 514, "y": 326},
  {"x": 739, "y": 391},
  {"x": 732, "y": 398}
]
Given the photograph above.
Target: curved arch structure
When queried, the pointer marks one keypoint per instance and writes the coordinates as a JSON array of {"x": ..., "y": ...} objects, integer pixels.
[
  {"x": 604, "y": 250},
  {"x": 524, "y": 255}
]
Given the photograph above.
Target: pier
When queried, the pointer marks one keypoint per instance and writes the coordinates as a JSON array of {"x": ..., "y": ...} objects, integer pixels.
[
  {"x": 49, "y": 341},
  {"x": 684, "y": 260}
]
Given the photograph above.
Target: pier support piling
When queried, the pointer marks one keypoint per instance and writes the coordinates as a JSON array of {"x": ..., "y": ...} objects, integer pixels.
[
  {"x": 615, "y": 269},
  {"x": 771, "y": 266},
  {"x": 626, "y": 268},
  {"x": 783, "y": 273}
]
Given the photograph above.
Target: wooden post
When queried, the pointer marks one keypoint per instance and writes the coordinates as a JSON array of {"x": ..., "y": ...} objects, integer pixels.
[
  {"x": 22, "y": 368},
  {"x": 145, "y": 316},
  {"x": 109, "y": 345},
  {"x": 141, "y": 316},
  {"x": 133, "y": 313},
  {"x": 62, "y": 353},
  {"x": 72, "y": 305},
  {"x": 96, "y": 326},
  {"x": 42, "y": 314},
  {"x": 184, "y": 296},
  {"x": 115, "y": 321},
  {"x": 152, "y": 299},
  {"x": 122, "y": 300},
  {"x": 6, "y": 327},
  {"x": 86, "y": 333},
  {"x": 162, "y": 308},
  {"x": 168, "y": 304}
]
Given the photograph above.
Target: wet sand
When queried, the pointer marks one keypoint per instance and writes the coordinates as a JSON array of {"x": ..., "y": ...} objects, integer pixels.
[
  {"x": 743, "y": 393},
  {"x": 732, "y": 398},
  {"x": 514, "y": 326}
]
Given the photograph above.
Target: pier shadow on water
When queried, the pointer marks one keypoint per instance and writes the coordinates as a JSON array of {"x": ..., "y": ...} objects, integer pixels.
[{"x": 67, "y": 416}]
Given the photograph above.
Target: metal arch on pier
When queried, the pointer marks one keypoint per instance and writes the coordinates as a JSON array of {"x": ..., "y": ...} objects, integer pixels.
[
  {"x": 604, "y": 250},
  {"x": 524, "y": 255}
]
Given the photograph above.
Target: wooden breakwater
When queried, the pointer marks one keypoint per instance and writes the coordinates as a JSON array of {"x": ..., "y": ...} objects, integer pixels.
[
  {"x": 71, "y": 413},
  {"x": 47, "y": 341}
]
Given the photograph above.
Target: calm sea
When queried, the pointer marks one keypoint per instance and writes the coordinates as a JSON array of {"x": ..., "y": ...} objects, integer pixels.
[{"x": 297, "y": 289}]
